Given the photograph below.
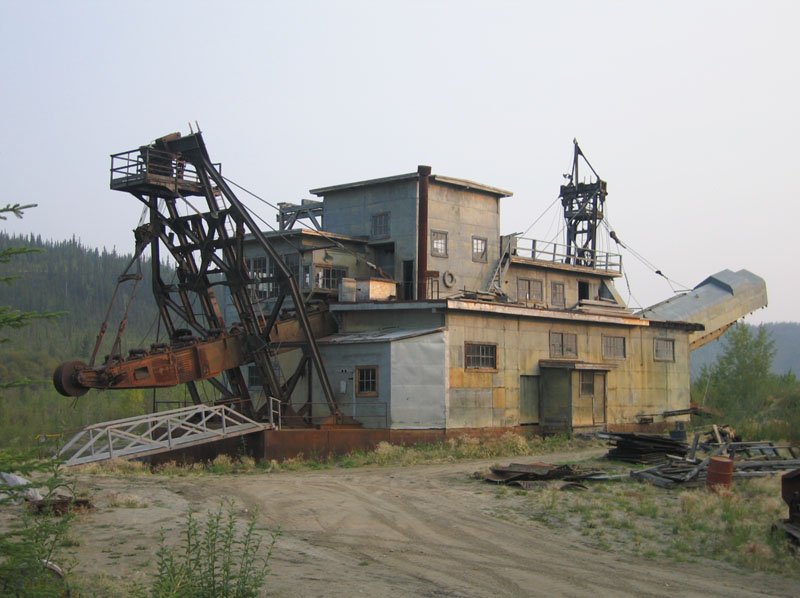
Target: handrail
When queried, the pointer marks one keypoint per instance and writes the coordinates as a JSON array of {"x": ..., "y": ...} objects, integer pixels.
[{"x": 547, "y": 251}]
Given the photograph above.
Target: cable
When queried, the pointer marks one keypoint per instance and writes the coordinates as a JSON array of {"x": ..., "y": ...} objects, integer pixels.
[{"x": 647, "y": 263}]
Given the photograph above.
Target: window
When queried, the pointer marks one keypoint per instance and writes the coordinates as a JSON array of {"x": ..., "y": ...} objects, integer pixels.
[
  {"x": 614, "y": 347},
  {"x": 257, "y": 267},
  {"x": 292, "y": 261},
  {"x": 480, "y": 356},
  {"x": 664, "y": 349},
  {"x": 529, "y": 290},
  {"x": 329, "y": 278},
  {"x": 583, "y": 290},
  {"x": 438, "y": 243},
  {"x": 557, "y": 294},
  {"x": 254, "y": 377},
  {"x": 479, "y": 249},
  {"x": 587, "y": 383},
  {"x": 563, "y": 344},
  {"x": 380, "y": 226},
  {"x": 367, "y": 381}
]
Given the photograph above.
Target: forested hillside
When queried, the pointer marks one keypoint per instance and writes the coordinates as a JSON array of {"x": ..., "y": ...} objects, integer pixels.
[
  {"x": 78, "y": 282},
  {"x": 785, "y": 335}
]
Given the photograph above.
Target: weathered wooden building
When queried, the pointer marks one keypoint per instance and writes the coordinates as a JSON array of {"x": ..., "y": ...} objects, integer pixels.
[{"x": 434, "y": 320}]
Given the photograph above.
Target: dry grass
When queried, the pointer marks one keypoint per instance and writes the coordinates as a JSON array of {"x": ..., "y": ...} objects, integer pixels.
[
  {"x": 734, "y": 526},
  {"x": 384, "y": 454},
  {"x": 128, "y": 501}
]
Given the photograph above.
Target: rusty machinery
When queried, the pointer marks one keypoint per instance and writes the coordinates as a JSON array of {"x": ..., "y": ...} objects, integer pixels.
[
  {"x": 207, "y": 248},
  {"x": 583, "y": 211}
]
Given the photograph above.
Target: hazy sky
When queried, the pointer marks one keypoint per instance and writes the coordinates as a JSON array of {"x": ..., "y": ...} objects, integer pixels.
[{"x": 688, "y": 109}]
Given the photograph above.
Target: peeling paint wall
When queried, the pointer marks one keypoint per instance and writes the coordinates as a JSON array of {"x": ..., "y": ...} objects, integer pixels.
[{"x": 636, "y": 385}]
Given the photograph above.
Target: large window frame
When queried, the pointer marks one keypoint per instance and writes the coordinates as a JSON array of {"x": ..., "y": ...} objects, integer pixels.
[
  {"x": 614, "y": 347},
  {"x": 480, "y": 356},
  {"x": 330, "y": 276},
  {"x": 563, "y": 345},
  {"x": 530, "y": 290},
  {"x": 367, "y": 380},
  {"x": 438, "y": 243}
]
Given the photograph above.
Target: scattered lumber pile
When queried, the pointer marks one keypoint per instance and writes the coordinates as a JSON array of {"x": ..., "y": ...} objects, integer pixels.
[
  {"x": 643, "y": 448},
  {"x": 750, "y": 459}
]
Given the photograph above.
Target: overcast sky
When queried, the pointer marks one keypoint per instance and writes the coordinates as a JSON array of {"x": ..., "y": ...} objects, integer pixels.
[{"x": 688, "y": 109}]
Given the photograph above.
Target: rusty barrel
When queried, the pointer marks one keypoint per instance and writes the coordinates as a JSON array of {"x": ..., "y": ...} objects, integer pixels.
[{"x": 719, "y": 473}]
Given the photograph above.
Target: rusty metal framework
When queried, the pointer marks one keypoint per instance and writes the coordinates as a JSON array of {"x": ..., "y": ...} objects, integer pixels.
[
  {"x": 583, "y": 211},
  {"x": 206, "y": 245}
]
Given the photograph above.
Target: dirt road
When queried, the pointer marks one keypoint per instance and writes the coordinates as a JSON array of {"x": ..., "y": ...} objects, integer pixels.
[{"x": 415, "y": 531}]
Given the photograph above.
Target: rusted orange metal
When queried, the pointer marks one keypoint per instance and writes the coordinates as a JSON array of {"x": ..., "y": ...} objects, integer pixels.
[{"x": 161, "y": 366}]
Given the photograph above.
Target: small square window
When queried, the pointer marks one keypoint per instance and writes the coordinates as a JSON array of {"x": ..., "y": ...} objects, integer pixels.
[
  {"x": 479, "y": 249},
  {"x": 613, "y": 347},
  {"x": 480, "y": 356},
  {"x": 438, "y": 243},
  {"x": 380, "y": 228},
  {"x": 664, "y": 349},
  {"x": 557, "y": 298},
  {"x": 367, "y": 381}
]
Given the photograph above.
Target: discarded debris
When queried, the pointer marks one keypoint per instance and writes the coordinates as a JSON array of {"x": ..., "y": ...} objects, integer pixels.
[
  {"x": 643, "y": 448},
  {"x": 531, "y": 476},
  {"x": 790, "y": 492}
]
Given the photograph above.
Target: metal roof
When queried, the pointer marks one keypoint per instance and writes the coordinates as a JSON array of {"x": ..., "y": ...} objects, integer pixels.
[
  {"x": 374, "y": 336},
  {"x": 716, "y": 302},
  {"x": 444, "y": 180}
]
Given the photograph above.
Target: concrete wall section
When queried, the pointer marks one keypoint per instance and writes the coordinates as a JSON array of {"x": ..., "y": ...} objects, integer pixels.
[{"x": 463, "y": 214}]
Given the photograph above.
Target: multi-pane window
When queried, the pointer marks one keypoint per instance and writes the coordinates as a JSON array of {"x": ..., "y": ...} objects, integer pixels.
[
  {"x": 480, "y": 356},
  {"x": 438, "y": 243},
  {"x": 257, "y": 267},
  {"x": 529, "y": 290},
  {"x": 563, "y": 344},
  {"x": 479, "y": 249},
  {"x": 331, "y": 277},
  {"x": 367, "y": 381},
  {"x": 380, "y": 226},
  {"x": 254, "y": 377},
  {"x": 664, "y": 349},
  {"x": 613, "y": 347},
  {"x": 587, "y": 383},
  {"x": 557, "y": 298},
  {"x": 292, "y": 261}
]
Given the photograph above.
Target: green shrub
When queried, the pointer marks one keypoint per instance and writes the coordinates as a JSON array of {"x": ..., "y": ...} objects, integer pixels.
[{"x": 216, "y": 560}]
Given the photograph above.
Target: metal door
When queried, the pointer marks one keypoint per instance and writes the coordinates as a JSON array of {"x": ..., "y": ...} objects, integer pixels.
[
  {"x": 555, "y": 400},
  {"x": 529, "y": 399}
]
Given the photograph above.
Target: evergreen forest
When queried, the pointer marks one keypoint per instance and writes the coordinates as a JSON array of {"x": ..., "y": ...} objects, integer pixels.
[{"x": 74, "y": 284}]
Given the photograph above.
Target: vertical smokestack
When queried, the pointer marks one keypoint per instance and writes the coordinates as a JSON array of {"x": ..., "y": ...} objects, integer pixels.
[{"x": 422, "y": 231}]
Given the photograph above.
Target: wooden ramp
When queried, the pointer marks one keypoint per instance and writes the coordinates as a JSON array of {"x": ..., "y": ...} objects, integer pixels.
[{"x": 156, "y": 433}]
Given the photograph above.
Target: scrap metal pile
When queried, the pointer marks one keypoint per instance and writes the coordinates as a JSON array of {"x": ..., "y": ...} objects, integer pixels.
[
  {"x": 675, "y": 463},
  {"x": 672, "y": 462}
]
